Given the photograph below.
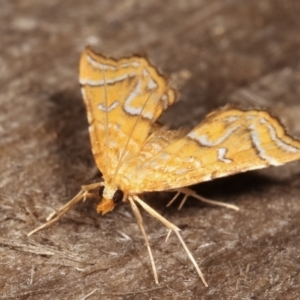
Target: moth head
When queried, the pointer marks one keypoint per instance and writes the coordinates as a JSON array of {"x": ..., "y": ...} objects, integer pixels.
[{"x": 110, "y": 197}]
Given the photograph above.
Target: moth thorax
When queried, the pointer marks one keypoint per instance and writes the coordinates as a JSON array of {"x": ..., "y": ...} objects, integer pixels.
[
  {"x": 108, "y": 191},
  {"x": 117, "y": 180}
]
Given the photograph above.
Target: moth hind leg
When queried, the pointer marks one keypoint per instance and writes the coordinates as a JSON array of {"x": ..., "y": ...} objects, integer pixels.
[
  {"x": 57, "y": 214},
  {"x": 139, "y": 219},
  {"x": 171, "y": 228},
  {"x": 191, "y": 193}
]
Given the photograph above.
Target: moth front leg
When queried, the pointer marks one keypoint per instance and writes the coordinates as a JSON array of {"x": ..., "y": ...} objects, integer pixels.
[{"x": 57, "y": 214}]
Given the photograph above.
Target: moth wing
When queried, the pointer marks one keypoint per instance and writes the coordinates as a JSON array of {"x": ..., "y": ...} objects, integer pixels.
[
  {"x": 226, "y": 142},
  {"x": 123, "y": 99}
]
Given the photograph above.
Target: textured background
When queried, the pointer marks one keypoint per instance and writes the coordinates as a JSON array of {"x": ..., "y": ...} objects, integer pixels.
[{"x": 217, "y": 52}]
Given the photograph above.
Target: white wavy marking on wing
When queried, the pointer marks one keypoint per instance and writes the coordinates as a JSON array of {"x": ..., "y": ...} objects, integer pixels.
[
  {"x": 103, "y": 107},
  {"x": 221, "y": 155},
  {"x": 102, "y": 82},
  {"x": 136, "y": 110},
  {"x": 261, "y": 151},
  {"x": 99, "y": 65},
  {"x": 152, "y": 85},
  {"x": 203, "y": 140},
  {"x": 284, "y": 146},
  {"x": 109, "y": 67}
]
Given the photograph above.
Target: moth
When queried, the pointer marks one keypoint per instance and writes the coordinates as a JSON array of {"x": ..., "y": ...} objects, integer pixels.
[{"x": 124, "y": 98}]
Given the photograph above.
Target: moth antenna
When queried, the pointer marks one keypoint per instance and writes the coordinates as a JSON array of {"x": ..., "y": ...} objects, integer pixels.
[
  {"x": 106, "y": 122},
  {"x": 174, "y": 228},
  {"x": 252, "y": 98},
  {"x": 139, "y": 219}
]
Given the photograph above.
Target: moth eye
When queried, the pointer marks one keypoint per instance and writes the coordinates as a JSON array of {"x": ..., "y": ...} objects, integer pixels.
[
  {"x": 118, "y": 196},
  {"x": 101, "y": 190}
]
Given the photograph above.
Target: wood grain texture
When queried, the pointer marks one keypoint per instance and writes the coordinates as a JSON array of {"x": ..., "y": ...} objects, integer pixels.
[{"x": 219, "y": 52}]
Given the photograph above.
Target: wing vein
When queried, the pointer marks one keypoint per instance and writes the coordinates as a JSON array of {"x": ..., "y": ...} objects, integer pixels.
[{"x": 130, "y": 135}]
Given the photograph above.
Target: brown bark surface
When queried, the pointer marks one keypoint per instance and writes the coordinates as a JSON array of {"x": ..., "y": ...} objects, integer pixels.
[{"x": 217, "y": 52}]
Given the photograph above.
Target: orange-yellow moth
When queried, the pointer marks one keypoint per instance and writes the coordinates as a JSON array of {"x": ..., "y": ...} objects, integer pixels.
[{"x": 124, "y": 98}]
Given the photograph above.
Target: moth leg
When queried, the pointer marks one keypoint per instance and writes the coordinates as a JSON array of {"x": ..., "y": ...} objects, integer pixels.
[
  {"x": 173, "y": 199},
  {"x": 139, "y": 219},
  {"x": 171, "y": 227},
  {"x": 190, "y": 193},
  {"x": 57, "y": 214},
  {"x": 89, "y": 195}
]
